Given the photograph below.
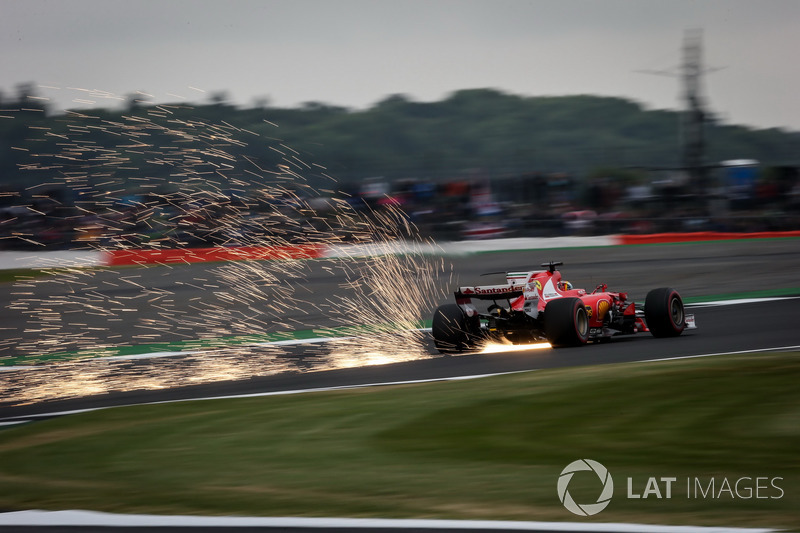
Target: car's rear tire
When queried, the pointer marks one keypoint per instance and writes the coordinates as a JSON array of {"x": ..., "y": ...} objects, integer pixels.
[
  {"x": 664, "y": 312},
  {"x": 566, "y": 322},
  {"x": 454, "y": 332}
]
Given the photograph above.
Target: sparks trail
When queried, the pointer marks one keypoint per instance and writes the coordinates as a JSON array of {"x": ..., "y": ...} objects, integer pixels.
[{"x": 218, "y": 194}]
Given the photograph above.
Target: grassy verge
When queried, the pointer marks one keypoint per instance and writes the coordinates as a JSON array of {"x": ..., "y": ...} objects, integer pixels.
[
  {"x": 491, "y": 448},
  {"x": 768, "y": 293},
  {"x": 13, "y": 275}
]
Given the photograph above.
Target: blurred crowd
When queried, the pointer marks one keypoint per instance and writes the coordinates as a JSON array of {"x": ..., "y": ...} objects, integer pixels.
[
  {"x": 477, "y": 207},
  {"x": 549, "y": 205}
]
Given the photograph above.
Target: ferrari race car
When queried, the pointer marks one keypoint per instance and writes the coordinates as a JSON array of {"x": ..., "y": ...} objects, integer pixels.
[{"x": 539, "y": 306}]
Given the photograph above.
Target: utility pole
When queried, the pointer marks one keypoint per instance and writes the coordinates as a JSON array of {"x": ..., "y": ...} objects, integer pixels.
[{"x": 693, "y": 119}]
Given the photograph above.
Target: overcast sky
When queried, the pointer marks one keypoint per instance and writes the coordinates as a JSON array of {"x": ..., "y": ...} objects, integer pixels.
[{"x": 356, "y": 52}]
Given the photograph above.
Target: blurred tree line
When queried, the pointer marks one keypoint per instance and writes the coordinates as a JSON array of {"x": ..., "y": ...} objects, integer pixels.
[{"x": 476, "y": 130}]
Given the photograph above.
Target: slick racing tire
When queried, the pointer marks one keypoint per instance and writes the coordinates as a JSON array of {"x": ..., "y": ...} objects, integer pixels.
[
  {"x": 454, "y": 332},
  {"x": 566, "y": 322},
  {"x": 664, "y": 313}
]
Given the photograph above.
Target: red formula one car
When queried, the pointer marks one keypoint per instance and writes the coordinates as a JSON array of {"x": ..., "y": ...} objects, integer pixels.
[{"x": 539, "y": 306}]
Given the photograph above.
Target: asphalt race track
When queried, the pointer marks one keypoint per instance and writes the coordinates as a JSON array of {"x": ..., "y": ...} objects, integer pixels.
[
  {"x": 743, "y": 327},
  {"x": 747, "y": 326},
  {"x": 696, "y": 269},
  {"x": 700, "y": 269}
]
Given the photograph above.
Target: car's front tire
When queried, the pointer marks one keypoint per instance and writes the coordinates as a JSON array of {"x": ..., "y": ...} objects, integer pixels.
[
  {"x": 454, "y": 332},
  {"x": 664, "y": 312},
  {"x": 566, "y": 322}
]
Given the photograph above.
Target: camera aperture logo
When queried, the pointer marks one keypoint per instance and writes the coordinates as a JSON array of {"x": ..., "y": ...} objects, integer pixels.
[{"x": 585, "y": 509}]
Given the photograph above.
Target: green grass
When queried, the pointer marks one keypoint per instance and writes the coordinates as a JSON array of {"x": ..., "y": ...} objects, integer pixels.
[
  {"x": 491, "y": 448},
  {"x": 766, "y": 293},
  {"x": 12, "y": 275}
]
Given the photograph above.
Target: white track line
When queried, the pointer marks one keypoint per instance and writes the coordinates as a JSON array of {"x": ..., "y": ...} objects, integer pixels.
[
  {"x": 96, "y": 519},
  {"x": 294, "y": 342},
  {"x": 756, "y": 350},
  {"x": 27, "y": 418},
  {"x": 13, "y": 423},
  {"x": 134, "y": 357},
  {"x": 740, "y": 301}
]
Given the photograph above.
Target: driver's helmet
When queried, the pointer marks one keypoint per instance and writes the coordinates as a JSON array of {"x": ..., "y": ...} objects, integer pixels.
[{"x": 565, "y": 285}]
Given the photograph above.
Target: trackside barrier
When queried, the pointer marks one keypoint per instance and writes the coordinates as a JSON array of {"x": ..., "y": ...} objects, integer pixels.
[
  {"x": 10, "y": 260},
  {"x": 666, "y": 238},
  {"x": 90, "y": 258}
]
